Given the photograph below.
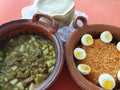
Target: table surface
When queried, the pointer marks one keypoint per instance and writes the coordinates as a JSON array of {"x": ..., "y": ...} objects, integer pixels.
[{"x": 98, "y": 11}]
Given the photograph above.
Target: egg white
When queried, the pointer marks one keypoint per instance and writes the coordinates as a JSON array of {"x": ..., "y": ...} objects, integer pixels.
[
  {"x": 106, "y": 37},
  {"x": 80, "y": 51},
  {"x": 118, "y": 46},
  {"x": 118, "y": 75},
  {"x": 84, "y": 72},
  {"x": 84, "y": 40},
  {"x": 106, "y": 76}
]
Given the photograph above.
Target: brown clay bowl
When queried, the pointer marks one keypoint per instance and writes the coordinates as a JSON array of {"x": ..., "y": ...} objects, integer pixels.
[
  {"x": 17, "y": 27},
  {"x": 74, "y": 41}
]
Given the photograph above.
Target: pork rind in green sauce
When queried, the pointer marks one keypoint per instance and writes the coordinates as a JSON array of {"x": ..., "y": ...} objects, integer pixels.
[{"x": 26, "y": 61}]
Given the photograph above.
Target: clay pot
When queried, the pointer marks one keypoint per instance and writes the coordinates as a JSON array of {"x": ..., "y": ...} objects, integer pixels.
[
  {"x": 17, "y": 27},
  {"x": 74, "y": 40}
]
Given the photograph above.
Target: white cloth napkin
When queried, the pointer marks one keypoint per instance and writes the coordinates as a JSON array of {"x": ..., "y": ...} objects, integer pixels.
[{"x": 64, "y": 32}]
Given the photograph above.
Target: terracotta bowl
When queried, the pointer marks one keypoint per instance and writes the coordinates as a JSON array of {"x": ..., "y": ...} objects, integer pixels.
[
  {"x": 74, "y": 41},
  {"x": 17, "y": 27}
]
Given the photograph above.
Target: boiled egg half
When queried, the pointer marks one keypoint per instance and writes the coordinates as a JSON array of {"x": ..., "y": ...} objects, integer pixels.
[
  {"x": 84, "y": 69},
  {"x": 106, "y": 37},
  {"x": 106, "y": 81},
  {"x": 118, "y": 46},
  {"x": 87, "y": 40},
  {"x": 79, "y": 53}
]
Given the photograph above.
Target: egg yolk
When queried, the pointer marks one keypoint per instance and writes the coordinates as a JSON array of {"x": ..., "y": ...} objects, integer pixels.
[
  {"x": 89, "y": 40},
  {"x": 78, "y": 54},
  {"x": 84, "y": 67},
  {"x": 108, "y": 84},
  {"x": 108, "y": 36}
]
